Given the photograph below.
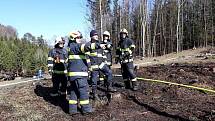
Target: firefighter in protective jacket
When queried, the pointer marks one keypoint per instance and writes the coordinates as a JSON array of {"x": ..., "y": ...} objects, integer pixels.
[
  {"x": 107, "y": 55},
  {"x": 78, "y": 73},
  {"x": 124, "y": 56},
  {"x": 98, "y": 64},
  {"x": 57, "y": 65}
]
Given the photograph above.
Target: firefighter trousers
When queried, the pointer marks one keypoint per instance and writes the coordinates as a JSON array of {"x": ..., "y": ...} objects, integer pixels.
[
  {"x": 128, "y": 71},
  {"x": 79, "y": 92},
  {"x": 59, "y": 83},
  {"x": 95, "y": 77}
]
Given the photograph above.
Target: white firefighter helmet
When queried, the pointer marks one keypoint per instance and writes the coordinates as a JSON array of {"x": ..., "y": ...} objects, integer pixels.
[
  {"x": 59, "y": 40},
  {"x": 123, "y": 31},
  {"x": 106, "y": 33}
]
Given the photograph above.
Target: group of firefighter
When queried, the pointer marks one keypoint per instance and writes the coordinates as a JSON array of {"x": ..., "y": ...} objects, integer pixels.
[{"x": 84, "y": 64}]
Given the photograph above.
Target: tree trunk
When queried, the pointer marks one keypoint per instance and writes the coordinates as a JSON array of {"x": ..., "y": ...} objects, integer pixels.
[
  {"x": 182, "y": 26},
  {"x": 149, "y": 39},
  {"x": 205, "y": 26},
  {"x": 143, "y": 8},
  {"x": 178, "y": 27},
  {"x": 212, "y": 23},
  {"x": 155, "y": 30},
  {"x": 163, "y": 33},
  {"x": 100, "y": 12}
]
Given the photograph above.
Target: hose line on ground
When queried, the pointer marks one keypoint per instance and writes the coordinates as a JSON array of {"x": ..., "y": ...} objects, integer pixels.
[{"x": 172, "y": 83}]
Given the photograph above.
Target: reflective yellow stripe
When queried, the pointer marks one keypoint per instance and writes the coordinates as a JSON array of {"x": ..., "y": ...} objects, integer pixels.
[
  {"x": 106, "y": 51},
  {"x": 77, "y": 74},
  {"x": 132, "y": 46},
  {"x": 108, "y": 63},
  {"x": 84, "y": 102},
  {"x": 87, "y": 53},
  {"x": 133, "y": 80},
  {"x": 90, "y": 69},
  {"x": 50, "y": 65},
  {"x": 62, "y": 61},
  {"x": 88, "y": 60},
  {"x": 101, "y": 79},
  {"x": 73, "y": 102},
  {"x": 59, "y": 72},
  {"x": 50, "y": 58},
  {"x": 94, "y": 66},
  {"x": 66, "y": 60},
  {"x": 99, "y": 55},
  {"x": 125, "y": 49},
  {"x": 130, "y": 51},
  {"x": 102, "y": 65},
  {"x": 82, "y": 48},
  {"x": 93, "y": 54},
  {"x": 93, "y": 46},
  {"x": 68, "y": 49},
  {"x": 77, "y": 57},
  {"x": 127, "y": 60}
]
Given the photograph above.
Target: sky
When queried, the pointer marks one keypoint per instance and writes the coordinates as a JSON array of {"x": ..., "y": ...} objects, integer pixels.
[{"x": 45, "y": 17}]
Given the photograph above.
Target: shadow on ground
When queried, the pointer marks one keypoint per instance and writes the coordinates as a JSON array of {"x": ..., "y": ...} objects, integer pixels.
[{"x": 44, "y": 92}]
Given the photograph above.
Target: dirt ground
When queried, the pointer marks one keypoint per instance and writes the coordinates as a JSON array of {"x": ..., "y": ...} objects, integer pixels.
[
  {"x": 179, "y": 101},
  {"x": 152, "y": 102}
]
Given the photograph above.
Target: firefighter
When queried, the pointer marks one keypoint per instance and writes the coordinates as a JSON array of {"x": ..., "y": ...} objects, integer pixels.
[
  {"x": 98, "y": 64},
  {"x": 107, "y": 55},
  {"x": 57, "y": 65},
  {"x": 107, "y": 51},
  {"x": 124, "y": 56},
  {"x": 78, "y": 73}
]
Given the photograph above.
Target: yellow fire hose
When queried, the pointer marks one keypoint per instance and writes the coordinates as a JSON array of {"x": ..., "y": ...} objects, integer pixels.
[{"x": 182, "y": 85}]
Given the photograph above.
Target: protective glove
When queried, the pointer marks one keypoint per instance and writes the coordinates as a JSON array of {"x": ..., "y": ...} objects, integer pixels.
[{"x": 103, "y": 46}]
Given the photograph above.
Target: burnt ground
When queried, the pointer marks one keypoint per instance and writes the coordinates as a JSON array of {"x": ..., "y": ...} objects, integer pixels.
[{"x": 152, "y": 102}]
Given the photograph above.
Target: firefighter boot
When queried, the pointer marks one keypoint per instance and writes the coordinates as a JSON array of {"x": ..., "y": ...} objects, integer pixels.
[
  {"x": 127, "y": 84},
  {"x": 95, "y": 95},
  {"x": 111, "y": 89},
  {"x": 134, "y": 85}
]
